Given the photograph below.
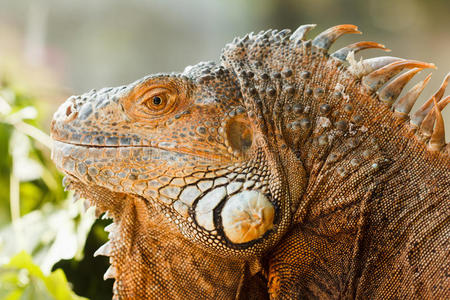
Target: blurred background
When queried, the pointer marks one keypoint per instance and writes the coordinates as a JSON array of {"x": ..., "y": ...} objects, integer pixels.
[{"x": 50, "y": 49}]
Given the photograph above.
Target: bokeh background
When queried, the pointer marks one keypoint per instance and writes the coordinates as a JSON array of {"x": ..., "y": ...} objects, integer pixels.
[{"x": 50, "y": 49}]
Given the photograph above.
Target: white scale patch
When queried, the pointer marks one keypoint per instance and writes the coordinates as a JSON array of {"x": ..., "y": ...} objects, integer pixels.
[
  {"x": 234, "y": 187},
  {"x": 189, "y": 194},
  {"x": 205, "y": 206}
]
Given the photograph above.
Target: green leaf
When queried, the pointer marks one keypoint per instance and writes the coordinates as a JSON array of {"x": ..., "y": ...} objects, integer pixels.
[
  {"x": 57, "y": 285},
  {"x": 49, "y": 234},
  {"x": 11, "y": 295},
  {"x": 31, "y": 283}
]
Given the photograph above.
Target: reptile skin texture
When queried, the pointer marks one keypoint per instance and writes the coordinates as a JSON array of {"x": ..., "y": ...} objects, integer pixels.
[{"x": 280, "y": 172}]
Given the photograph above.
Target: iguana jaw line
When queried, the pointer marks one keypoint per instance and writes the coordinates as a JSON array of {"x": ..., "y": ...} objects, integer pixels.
[{"x": 184, "y": 151}]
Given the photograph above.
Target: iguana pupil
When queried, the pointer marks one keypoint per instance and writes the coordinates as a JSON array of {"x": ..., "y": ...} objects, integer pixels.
[{"x": 157, "y": 100}]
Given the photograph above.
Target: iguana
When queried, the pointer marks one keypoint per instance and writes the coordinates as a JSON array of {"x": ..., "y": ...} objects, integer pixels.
[{"x": 279, "y": 172}]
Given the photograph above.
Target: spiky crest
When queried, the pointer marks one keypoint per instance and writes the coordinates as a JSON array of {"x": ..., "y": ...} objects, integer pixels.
[{"x": 374, "y": 73}]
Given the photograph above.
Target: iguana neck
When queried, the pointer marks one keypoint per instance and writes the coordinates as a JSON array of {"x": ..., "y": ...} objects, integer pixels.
[
  {"x": 365, "y": 194},
  {"x": 364, "y": 156},
  {"x": 146, "y": 249}
]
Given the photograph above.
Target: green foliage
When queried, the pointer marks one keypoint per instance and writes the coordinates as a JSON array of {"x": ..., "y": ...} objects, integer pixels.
[
  {"x": 22, "y": 279},
  {"x": 25, "y": 153},
  {"x": 49, "y": 234},
  {"x": 38, "y": 220},
  {"x": 86, "y": 275}
]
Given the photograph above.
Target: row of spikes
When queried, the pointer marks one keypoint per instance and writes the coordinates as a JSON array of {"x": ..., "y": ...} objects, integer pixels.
[
  {"x": 105, "y": 249},
  {"x": 376, "y": 72}
]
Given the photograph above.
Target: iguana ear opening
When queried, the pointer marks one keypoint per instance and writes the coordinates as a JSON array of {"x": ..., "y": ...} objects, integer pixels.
[{"x": 239, "y": 134}]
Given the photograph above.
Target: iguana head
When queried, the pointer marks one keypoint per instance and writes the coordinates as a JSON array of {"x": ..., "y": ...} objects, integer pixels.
[
  {"x": 185, "y": 143},
  {"x": 231, "y": 154}
]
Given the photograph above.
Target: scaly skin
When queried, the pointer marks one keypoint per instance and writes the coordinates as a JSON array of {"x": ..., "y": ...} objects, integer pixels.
[{"x": 278, "y": 172}]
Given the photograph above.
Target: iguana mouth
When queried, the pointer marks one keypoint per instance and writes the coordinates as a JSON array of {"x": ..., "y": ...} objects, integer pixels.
[
  {"x": 212, "y": 157},
  {"x": 93, "y": 146}
]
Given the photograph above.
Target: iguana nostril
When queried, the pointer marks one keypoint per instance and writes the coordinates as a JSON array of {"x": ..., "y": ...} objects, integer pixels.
[
  {"x": 69, "y": 110},
  {"x": 71, "y": 113}
]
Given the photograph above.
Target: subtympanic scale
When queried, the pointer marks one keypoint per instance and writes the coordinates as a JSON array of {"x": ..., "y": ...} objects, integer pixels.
[{"x": 247, "y": 216}]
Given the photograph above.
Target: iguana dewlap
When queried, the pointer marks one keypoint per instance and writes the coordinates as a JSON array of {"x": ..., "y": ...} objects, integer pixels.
[{"x": 279, "y": 172}]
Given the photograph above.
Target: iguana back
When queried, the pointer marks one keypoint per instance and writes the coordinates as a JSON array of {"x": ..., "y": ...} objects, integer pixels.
[{"x": 281, "y": 171}]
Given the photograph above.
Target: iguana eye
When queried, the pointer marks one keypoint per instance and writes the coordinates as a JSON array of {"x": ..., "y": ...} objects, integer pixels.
[
  {"x": 153, "y": 100},
  {"x": 157, "y": 103},
  {"x": 157, "y": 100}
]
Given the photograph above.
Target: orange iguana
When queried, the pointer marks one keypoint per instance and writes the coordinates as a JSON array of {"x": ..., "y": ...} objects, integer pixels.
[{"x": 280, "y": 172}]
